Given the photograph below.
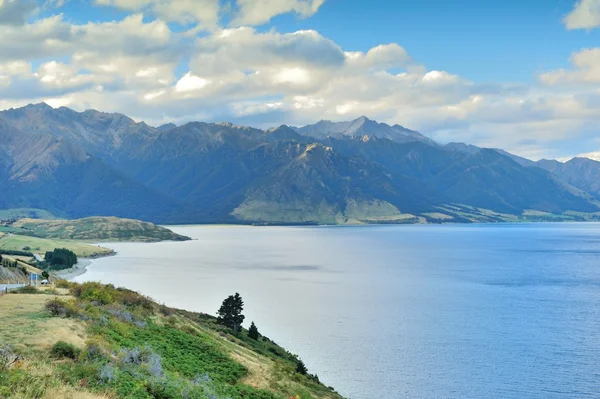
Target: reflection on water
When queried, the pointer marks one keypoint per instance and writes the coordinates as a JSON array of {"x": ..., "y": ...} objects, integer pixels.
[{"x": 467, "y": 311}]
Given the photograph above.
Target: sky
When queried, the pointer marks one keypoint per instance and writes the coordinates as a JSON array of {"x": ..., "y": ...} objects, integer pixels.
[{"x": 519, "y": 75}]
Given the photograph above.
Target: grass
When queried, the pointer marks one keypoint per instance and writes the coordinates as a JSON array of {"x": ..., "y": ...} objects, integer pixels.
[
  {"x": 119, "y": 344},
  {"x": 41, "y": 245},
  {"x": 25, "y": 324}
]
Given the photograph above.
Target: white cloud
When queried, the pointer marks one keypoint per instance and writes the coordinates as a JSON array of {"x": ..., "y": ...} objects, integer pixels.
[
  {"x": 265, "y": 78},
  {"x": 191, "y": 82},
  {"x": 586, "y": 69},
  {"x": 591, "y": 155},
  {"x": 259, "y": 12},
  {"x": 205, "y": 12},
  {"x": 16, "y": 12},
  {"x": 585, "y": 15}
]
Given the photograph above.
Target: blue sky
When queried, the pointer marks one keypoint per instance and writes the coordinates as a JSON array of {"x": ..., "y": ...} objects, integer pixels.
[
  {"x": 488, "y": 40},
  {"x": 520, "y": 75}
]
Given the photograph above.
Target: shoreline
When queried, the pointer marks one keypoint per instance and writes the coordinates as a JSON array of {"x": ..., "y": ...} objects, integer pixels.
[{"x": 79, "y": 268}]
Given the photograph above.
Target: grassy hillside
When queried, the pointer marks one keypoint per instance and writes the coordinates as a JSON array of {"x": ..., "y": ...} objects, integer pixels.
[
  {"x": 41, "y": 245},
  {"x": 96, "y": 229},
  {"x": 118, "y": 344}
]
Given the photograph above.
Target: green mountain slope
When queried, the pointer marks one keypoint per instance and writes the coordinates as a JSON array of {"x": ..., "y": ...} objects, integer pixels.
[{"x": 107, "y": 342}]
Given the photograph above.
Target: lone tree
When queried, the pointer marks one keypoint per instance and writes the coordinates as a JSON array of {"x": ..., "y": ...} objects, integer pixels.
[
  {"x": 253, "y": 332},
  {"x": 230, "y": 313}
]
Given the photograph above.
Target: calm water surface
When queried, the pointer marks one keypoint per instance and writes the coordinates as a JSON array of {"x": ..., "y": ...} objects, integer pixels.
[{"x": 467, "y": 311}]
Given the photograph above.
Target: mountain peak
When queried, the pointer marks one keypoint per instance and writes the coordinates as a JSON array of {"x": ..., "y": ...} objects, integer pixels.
[{"x": 39, "y": 106}]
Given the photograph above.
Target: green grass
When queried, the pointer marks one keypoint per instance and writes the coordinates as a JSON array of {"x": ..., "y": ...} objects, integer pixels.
[{"x": 40, "y": 246}]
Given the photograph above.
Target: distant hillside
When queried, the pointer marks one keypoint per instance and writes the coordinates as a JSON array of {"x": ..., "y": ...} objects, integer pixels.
[
  {"x": 78, "y": 164},
  {"x": 97, "y": 229},
  {"x": 582, "y": 173}
]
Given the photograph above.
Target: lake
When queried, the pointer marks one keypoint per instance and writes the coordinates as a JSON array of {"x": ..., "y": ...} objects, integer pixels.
[{"x": 419, "y": 311}]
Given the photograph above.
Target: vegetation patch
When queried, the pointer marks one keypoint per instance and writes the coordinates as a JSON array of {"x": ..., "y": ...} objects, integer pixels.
[{"x": 135, "y": 348}]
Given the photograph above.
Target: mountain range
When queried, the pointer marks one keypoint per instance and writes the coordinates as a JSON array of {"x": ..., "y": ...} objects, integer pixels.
[{"x": 79, "y": 164}]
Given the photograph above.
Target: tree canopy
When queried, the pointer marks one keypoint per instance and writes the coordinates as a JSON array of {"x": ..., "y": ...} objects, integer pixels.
[
  {"x": 61, "y": 258},
  {"x": 230, "y": 313}
]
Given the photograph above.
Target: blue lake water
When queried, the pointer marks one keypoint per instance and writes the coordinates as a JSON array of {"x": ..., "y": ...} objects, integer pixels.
[{"x": 450, "y": 311}]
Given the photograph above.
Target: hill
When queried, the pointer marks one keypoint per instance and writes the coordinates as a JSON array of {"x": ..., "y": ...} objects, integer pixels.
[
  {"x": 94, "y": 341},
  {"x": 96, "y": 229},
  {"x": 79, "y": 164}
]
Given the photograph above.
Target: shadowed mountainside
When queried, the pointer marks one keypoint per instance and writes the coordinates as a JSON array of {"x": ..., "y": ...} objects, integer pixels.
[{"x": 77, "y": 164}]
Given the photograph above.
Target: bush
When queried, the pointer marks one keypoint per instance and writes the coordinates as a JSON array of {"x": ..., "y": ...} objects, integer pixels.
[
  {"x": 28, "y": 289},
  {"x": 63, "y": 349},
  {"x": 93, "y": 291},
  {"x": 59, "y": 308},
  {"x": 92, "y": 352},
  {"x": 165, "y": 310},
  {"x": 63, "y": 284},
  {"x": 131, "y": 298},
  {"x": 301, "y": 367}
]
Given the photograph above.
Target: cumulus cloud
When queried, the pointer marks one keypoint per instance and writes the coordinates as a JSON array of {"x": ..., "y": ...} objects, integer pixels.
[
  {"x": 140, "y": 66},
  {"x": 585, "y": 15},
  {"x": 16, "y": 12},
  {"x": 205, "y": 12},
  {"x": 586, "y": 69},
  {"x": 259, "y": 12}
]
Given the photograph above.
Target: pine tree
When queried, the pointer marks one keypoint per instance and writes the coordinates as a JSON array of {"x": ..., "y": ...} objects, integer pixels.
[
  {"x": 230, "y": 313},
  {"x": 253, "y": 332},
  {"x": 301, "y": 367}
]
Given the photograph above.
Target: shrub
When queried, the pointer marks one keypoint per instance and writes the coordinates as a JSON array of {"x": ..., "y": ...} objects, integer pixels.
[
  {"x": 63, "y": 349},
  {"x": 59, "y": 308},
  {"x": 93, "y": 291},
  {"x": 301, "y": 367},
  {"x": 165, "y": 310},
  {"x": 144, "y": 357},
  {"x": 107, "y": 373},
  {"x": 92, "y": 352},
  {"x": 131, "y": 298},
  {"x": 28, "y": 289},
  {"x": 63, "y": 284}
]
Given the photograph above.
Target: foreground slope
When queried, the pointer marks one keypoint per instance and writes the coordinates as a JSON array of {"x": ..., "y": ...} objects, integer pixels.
[{"x": 118, "y": 344}]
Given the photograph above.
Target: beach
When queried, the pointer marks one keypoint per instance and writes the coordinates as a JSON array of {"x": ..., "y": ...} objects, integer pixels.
[{"x": 77, "y": 270}]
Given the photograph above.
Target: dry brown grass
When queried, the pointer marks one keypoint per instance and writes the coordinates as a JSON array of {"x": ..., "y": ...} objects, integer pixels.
[
  {"x": 23, "y": 322},
  {"x": 68, "y": 392},
  {"x": 260, "y": 369}
]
